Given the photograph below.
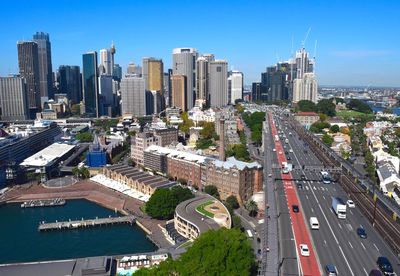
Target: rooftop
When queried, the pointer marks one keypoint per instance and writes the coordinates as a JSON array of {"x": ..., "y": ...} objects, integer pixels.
[
  {"x": 233, "y": 162},
  {"x": 177, "y": 154},
  {"x": 48, "y": 155},
  {"x": 306, "y": 114}
]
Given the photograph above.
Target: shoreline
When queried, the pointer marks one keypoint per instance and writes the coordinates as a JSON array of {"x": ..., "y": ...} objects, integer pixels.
[{"x": 102, "y": 196}]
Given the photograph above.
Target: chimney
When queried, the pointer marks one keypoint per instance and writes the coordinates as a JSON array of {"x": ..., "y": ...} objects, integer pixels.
[{"x": 222, "y": 139}]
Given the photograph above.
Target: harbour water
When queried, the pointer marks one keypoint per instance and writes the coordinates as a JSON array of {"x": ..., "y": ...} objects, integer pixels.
[{"x": 20, "y": 240}]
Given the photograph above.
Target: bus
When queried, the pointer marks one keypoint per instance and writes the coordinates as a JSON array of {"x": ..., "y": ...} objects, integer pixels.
[{"x": 326, "y": 178}]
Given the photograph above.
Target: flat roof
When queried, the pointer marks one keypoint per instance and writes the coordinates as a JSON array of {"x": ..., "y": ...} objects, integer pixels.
[
  {"x": 177, "y": 154},
  {"x": 47, "y": 155}
]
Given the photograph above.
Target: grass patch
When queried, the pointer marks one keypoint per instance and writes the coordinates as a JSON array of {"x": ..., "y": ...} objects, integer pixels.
[
  {"x": 203, "y": 211},
  {"x": 350, "y": 113}
]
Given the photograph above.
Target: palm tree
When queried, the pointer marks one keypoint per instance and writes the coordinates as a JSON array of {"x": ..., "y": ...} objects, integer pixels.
[{"x": 252, "y": 207}]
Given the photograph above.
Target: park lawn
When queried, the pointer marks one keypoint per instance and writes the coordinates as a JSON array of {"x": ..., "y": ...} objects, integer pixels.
[
  {"x": 203, "y": 211},
  {"x": 350, "y": 113}
]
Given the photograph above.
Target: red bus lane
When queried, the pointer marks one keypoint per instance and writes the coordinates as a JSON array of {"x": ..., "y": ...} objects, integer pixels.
[{"x": 309, "y": 265}]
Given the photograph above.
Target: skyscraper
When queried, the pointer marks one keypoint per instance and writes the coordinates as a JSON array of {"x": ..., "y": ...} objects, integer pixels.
[
  {"x": 156, "y": 75},
  {"x": 106, "y": 95},
  {"x": 178, "y": 91},
  {"x": 105, "y": 62},
  {"x": 184, "y": 63},
  {"x": 69, "y": 79},
  {"x": 117, "y": 72},
  {"x": 90, "y": 84},
  {"x": 218, "y": 83},
  {"x": 305, "y": 88},
  {"x": 13, "y": 99},
  {"x": 134, "y": 69},
  {"x": 133, "y": 95},
  {"x": 202, "y": 80},
  {"x": 235, "y": 85},
  {"x": 28, "y": 62},
  {"x": 45, "y": 66},
  {"x": 112, "y": 53}
]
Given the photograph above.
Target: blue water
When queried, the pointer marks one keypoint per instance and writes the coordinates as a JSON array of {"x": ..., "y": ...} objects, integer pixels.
[
  {"x": 20, "y": 240},
  {"x": 395, "y": 110}
]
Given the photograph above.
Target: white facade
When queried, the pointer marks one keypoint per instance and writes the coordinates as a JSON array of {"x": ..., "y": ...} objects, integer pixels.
[
  {"x": 305, "y": 88},
  {"x": 105, "y": 62},
  {"x": 218, "y": 83},
  {"x": 133, "y": 96},
  {"x": 235, "y": 83}
]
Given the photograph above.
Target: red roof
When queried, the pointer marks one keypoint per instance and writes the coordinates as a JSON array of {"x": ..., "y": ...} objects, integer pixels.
[{"x": 306, "y": 114}]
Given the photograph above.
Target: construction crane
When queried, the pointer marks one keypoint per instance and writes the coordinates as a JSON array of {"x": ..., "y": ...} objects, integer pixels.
[{"x": 303, "y": 43}]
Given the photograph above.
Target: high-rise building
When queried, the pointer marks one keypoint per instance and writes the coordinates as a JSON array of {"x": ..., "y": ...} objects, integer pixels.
[
  {"x": 69, "y": 82},
  {"x": 13, "y": 99},
  {"x": 235, "y": 86},
  {"x": 184, "y": 63},
  {"x": 305, "y": 88},
  {"x": 218, "y": 83},
  {"x": 202, "y": 80},
  {"x": 112, "y": 53},
  {"x": 28, "y": 62},
  {"x": 45, "y": 66},
  {"x": 105, "y": 62},
  {"x": 256, "y": 91},
  {"x": 133, "y": 95},
  {"x": 106, "y": 95},
  {"x": 117, "y": 72},
  {"x": 134, "y": 69},
  {"x": 178, "y": 91},
  {"x": 155, "y": 75},
  {"x": 90, "y": 84}
]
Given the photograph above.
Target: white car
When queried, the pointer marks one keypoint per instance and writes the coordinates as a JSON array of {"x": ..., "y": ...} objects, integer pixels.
[
  {"x": 290, "y": 150},
  {"x": 304, "y": 251},
  {"x": 280, "y": 152},
  {"x": 351, "y": 204},
  {"x": 273, "y": 149},
  {"x": 270, "y": 175}
]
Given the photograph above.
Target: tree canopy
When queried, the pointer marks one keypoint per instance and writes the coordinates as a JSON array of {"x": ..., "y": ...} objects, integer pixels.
[
  {"x": 334, "y": 128},
  {"x": 327, "y": 107},
  {"x": 187, "y": 123},
  {"x": 254, "y": 122},
  {"x": 85, "y": 137},
  {"x": 317, "y": 127},
  {"x": 327, "y": 139},
  {"x": 306, "y": 106},
  {"x": 212, "y": 190},
  {"x": 359, "y": 106},
  {"x": 163, "y": 202},
  {"x": 232, "y": 202},
  {"x": 240, "y": 152},
  {"x": 215, "y": 252}
]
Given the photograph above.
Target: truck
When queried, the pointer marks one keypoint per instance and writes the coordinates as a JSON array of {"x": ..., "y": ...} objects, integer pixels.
[
  {"x": 339, "y": 207},
  {"x": 286, "y": 167},
  {"x": 276, "y": 138}
]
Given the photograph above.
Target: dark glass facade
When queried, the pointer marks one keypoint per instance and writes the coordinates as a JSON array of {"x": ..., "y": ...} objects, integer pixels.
[
  {"x": 45, "y": 67},
  {"x": 90, "y": 84},
  {"x": 70, "y": 82}
]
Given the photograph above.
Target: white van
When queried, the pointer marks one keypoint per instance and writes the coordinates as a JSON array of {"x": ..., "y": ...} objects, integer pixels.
[{"x": 314, "y": 223}]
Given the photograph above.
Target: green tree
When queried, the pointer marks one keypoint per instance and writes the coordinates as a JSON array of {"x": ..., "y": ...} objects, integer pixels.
[
  {"x": 76, "y": 109},
  {"x": 212, "y": 190},
  {"x": 84, "y": 137},
  {"x": 163, "y": 202},
  {"x": 208, "y": 130},
  {"x": 187, "y": 123},
  {"x": 306, "y": 106},
  {"x": 240, "y": 152},
  {"x": 236, "y": 222},
  {"x": 327, "y": 107},
  {"x": 322, "y": 117},
  {"x": 327, "y": 139},
  {"x": 334, "y": 128},
  {"x": 203, "y": 143},
  {"x": 239, "y": 108},
  {"x": 359, "y": 106},
  {"x": 215, "y": 252},
  {"x": 252, "y": 207},
  {"x": 232, "y": 202},
  {"x": 84, "y": 173}
]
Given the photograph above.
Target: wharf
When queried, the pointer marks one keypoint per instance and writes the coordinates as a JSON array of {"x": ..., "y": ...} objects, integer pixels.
[
  {"x": 43, "y": 203},
  {"x": 61, "y": 225}
]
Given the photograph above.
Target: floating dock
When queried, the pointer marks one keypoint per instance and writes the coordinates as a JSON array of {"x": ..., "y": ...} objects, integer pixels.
[
  {"x": 43, "y": 203},
  {"x": 61, "y": 225}
]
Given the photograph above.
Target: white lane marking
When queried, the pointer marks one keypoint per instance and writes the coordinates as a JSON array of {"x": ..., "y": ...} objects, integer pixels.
[
  {"x": 366, "y": 273},
  {"x": 325, "y": 243},
  {"x": 348, "y": 265},
  {"x": 351, "y": 212},
  {"x": 363, "y": 245},
  {"x": 376, "y": 247},
  {"x": 350, "y": 245},
  {"x": 307, "y": 197},
  {"x": 324, "y": 197},
  {"x": 312, "y": 210},
  {"x": 315, "y": 188},
  {"x": 339, "y": 226}
]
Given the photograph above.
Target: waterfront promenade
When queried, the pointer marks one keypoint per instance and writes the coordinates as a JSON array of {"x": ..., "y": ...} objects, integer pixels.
[{"x": 96, "y": 193}]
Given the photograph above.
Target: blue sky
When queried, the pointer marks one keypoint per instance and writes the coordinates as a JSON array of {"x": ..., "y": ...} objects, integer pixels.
[{"x": 358, "y": 41}]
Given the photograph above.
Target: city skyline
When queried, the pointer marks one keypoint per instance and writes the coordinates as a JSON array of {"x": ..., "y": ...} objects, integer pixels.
[{"x": 351, "y": 50}]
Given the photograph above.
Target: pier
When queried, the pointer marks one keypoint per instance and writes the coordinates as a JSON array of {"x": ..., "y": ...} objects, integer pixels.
[
  {"x": 61, "y": 225},
  {"x": 43, "y": 203}
]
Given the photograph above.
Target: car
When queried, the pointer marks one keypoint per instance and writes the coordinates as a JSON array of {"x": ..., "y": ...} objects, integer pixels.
[
  {"x": 303, "y": 177},
  {"x": 290, "y": 150},
  {"x": 274, "y": 149},
  {"x": 289, "y": 158},
  {"x": 299, "y": 186},
  {"x": 384, "y": 265},
  {"x": 304, "y": 251},
  {"x": 286, "y": 152},
  {"x": 280, "y": 152},
  {"x": 295, "y": 208},
  {"x": 361, "y": 232},
  {"x": 350, "y": 204},
  {"x": 330, "y": 270},
  {"x": 270, "y": 175}
]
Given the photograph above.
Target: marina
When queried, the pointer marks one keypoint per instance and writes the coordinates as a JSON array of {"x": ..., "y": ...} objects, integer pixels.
[
  {"x": 73, "y": 224},
  {"x": 44, "y": 203}
]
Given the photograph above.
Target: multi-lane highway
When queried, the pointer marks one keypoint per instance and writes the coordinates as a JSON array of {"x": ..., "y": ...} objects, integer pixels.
[{"x": 336, "y": 242}]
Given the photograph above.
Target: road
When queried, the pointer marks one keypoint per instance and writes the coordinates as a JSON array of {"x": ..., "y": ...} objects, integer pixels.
[{"x": 336, "y": 242}]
